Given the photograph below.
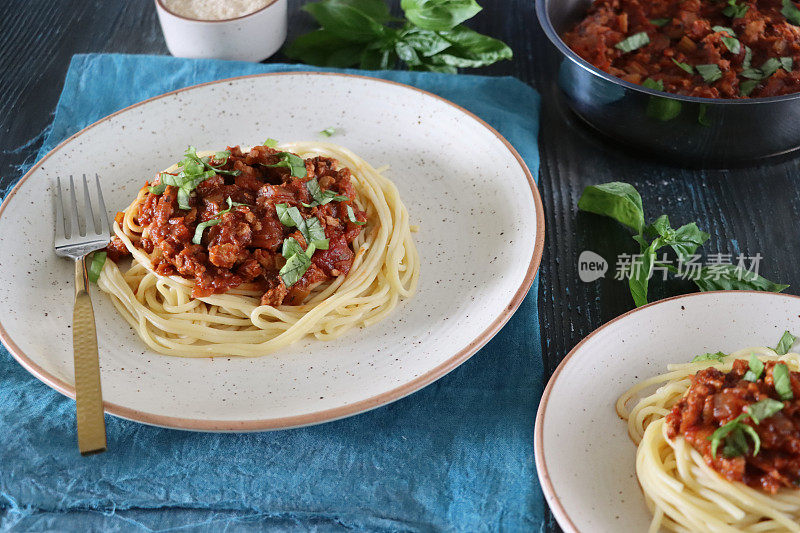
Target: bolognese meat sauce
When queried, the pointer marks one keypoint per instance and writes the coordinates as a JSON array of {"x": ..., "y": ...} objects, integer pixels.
[
  {"x": 705, "y": 48},
  {"x": 767, "y": 454},
  {"x": 244, "y": 236}
]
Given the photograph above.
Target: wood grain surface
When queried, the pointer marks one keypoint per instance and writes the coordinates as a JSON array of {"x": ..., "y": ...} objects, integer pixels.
[{"x": 746, "y": 210}]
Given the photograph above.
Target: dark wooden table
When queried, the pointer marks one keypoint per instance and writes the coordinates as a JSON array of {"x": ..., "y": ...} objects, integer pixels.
[{"x": 746, "y": 210}]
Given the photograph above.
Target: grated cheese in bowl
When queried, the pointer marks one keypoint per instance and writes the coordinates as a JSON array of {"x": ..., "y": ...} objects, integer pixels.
[{"x": 213, "y": 9}]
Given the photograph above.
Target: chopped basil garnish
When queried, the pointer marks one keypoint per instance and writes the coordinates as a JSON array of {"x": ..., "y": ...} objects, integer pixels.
[
  {"x": 748, "y": 57},
  {"x": 733, "y": 433},
  {"x": 311, "y": 229},
  {"x": 782, "y": 382},
  {"x": 322, "y": 197},
  {"x": 723, "y": 29},
  {"x": 684, "y": 66},
  {"x": 746, "y": 87},
  {"x": 327, "y": 132},
  {"x": 732, "y": 44},
  {"x": 719, "y": 356},
  {"x": 194, "y": 171},
  {"x": 296, "y": 265},
  {"x": 295, "y": 164},
  {"x": 769, "y": 68},
  {"x": 634, "y": 42},
  {"x": 710, "y": 73},
  {"x": 763, "y": 409},
  {"x": 291, "y": 247},
  {"x": 734, "y": 10},
  {"x": 650, "y": 83},
  {"x": 201, "y": 227},
  {"x": 352, "y": 216},
  {"x": 659, "y": 22},
  {"x": 787, "y": 63},
  {"x": 791, "y": 12},
  {"x": 785, "y": 344},
  {"x": 756, "y": 369},
  {"x": 96, "y": 266},
  {"x": 270, "y": 143}
]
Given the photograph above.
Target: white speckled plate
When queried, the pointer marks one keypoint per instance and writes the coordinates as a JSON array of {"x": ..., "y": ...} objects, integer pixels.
[
  {"x": 585, "y": 460},
  {"x": 480, "y": 241}
]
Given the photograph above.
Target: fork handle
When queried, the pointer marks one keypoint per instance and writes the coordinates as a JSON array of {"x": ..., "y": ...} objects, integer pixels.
[{"x": 88, "y": 396}]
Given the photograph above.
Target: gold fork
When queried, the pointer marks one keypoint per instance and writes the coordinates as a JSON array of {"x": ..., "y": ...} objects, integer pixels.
[{"x": 75, "y": 239}]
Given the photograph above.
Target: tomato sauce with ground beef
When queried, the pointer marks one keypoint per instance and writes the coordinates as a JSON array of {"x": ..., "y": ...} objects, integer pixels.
[
  {"x": 716, "y": 398},
  {"x": 245, "y": 246},
  {"x": 683, "y": 31}
]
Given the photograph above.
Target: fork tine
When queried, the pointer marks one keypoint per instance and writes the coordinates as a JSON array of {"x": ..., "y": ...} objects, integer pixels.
[
  {"x": 88, "y": 212},
  {"x": 61, "y": 221},
  {"x": 75, "y": 228},
  {"x": 104, "y": 228}
]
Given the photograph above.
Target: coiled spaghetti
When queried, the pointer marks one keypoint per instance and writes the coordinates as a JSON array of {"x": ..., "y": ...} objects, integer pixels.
[
  {"x": 682, "y": 491},
  {"x": 170, "y": 321}
]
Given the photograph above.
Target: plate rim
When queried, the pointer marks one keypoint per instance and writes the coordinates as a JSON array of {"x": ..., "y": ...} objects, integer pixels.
[
  {"x": 324, "y": 415},
  {"x": 552, "y": 499}
]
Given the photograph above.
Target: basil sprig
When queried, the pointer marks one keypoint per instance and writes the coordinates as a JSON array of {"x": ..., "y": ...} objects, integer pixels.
[
  {"x": 782, "y": 382},
  {"x": 623, "y": 203},
  {"x": 96, "y": 266},
  {"x": 201, "y": 227},
  {"x": 193, "y": 171},
  {"x": 634, "y": 42},
  {"x": 718, "y": 356},
  {"x": 734, "y": 434},
  {"x": 362, "y": 33},
  {"x": 322, "y": 197},
  {"x": 785, "y": 344}
]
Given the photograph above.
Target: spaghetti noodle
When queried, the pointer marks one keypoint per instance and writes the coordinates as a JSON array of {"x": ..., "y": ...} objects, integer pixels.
[
  {"x": 172, "y": 320},
  {"x": 682, "y": 490}
]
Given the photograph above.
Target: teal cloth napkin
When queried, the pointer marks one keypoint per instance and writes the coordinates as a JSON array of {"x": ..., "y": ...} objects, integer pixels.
[{"x": 455, "y": 456}]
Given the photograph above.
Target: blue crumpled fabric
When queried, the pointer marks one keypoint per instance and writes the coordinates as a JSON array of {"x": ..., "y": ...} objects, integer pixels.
[{"x": 455, "y": 456}]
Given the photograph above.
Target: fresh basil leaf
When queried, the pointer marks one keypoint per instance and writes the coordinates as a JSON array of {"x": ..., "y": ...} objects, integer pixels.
[
  {"x": 748, "y": 58},
  {"x": 295, "y": 164},
  {"x": 753, "y": 435},
  {"x": 710, "y": 73},
  {"x": 763, "y": 409},
  {"x": 291, "y": 247},
  {"x": 327, "y": 132},
  {"x": 770, "y": 66},
  {"x": 719, "y": 356},
  {"x": 731, "y": 277},
  {"x": 660, "y": 22},
  {"x": 427, "y": 43},
  {"x": 344, "y": 19},
  {"x": 755, "y": 370},
  {"x": 685, "y": 240},
  {"x": 407, "y": 54},
  {"x": 723, "y": 29},
  {"x": 732, "y": 44},
  {"x": 734, "y": 10},
  {"x": 322, "y": 197},
  {"x": 201, "y": 227},
  {"x": 787, "y": 63},
  {"x": 352, "y": 217},
  {"x": 470, "y": 49},
  {"x": 791, "y": 12},
  {"x": 640, "y": 276},
  {"x": 289, "y": 216},
  {"x": 683, "y": 66},
  {"x": 439, "y": 15},
  {"x": 294, "y": 268},
  {"x": 620, "y": 201},
  {"x": 785, "y": 344},
  {"x": 634, "y": 42},
  {"x": 746, "y": 87},
  {"x": 722, "y": 432},
  {"x": 782, "y": 382},
  {"x": 326, "y": 49},
  {"x": 656, "y": 85},
  {"x": 96, "y": 266},
  {"x": 701, "y": 116}
]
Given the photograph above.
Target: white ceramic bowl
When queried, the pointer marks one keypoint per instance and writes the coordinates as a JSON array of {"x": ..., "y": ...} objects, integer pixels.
[{"x": 252, "y": 37}]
